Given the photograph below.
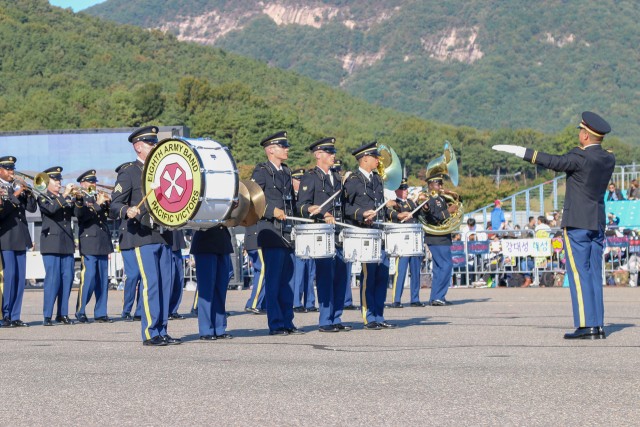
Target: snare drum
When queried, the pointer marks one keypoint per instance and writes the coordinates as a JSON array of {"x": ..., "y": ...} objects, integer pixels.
[
  {"x": 314, "y": 241},
  {"x": 194, "y": 181},
  {"x": 362, "y": 244},
  {"x": 404, "y": 239}
]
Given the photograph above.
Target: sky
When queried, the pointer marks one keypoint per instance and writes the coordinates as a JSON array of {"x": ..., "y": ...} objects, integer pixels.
[{"x": 76, "y": 5}]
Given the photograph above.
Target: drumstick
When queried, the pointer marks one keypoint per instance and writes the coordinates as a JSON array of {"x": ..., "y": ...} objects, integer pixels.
[
  {"x": 346, "y": 225},
  {"x": 153, "y": 187},
  {"x": 295, "y": 218},
  {"x": 317, "y": 211},
  {"x": 415, "y": 210}
]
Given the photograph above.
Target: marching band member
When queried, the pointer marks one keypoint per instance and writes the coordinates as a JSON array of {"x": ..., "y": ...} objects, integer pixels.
[
  {"x": 589, "y": 169},
  {"x": 178, "y": 275},
  {"x": 14, "y": 241},
  {"x": 274, "y": 234},
  {"x": 57, "y": 246},
  {"x": 304, "y": 270},
  {"x": 151, "y": 246},
  {"x": 414, "y": 263},
  {"x": 256, "y": 302},
  {"x": 317, "y": 186},
  {"x": 212, "y": 249},
  {"x": 435, "y": 212},
  {"x": 95, "y": 246},
  {"x": 364, "y": 192},
  {"x": 131, "y": 275}
]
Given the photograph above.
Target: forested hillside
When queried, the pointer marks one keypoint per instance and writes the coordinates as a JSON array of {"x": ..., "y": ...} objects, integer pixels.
[
  {"x": 61, "y": 70},
  {"x": 483, "y": 63}
]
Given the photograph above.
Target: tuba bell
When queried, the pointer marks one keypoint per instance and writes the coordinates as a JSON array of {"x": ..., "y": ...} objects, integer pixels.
[
  {"x": 389, "y": 167},
  {"x": 447, "y": 165}
]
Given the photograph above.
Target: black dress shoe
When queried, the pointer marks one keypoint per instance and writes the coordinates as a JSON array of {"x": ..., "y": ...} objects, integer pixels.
[
  {"x": 328, "y": 328},
  {"x": 208, "y": 337},
  {"x": 127, "y": 318},
  {"x": 343, "y": 328},
  {"x": 583, "y": 334},
  {"x": 104, "y": 319},
  {"x": 396, "y": 305},
  {"x": 19, "y": 324},
  {"x": 351, "y": 307},
  {"x": 312, "y": 309},
  {"x": 447, "y": 302},
  {"x": 65, "y": 320},
  {"x": 254, "y": 310},
  {"x": 387, "y": 325},
  {"x": 156, "y": 341},
  {"x": 6, "y": 323},
  {"x": 279, "y": 332},
  {"x": 295, "y": 331},
  {"x": 373, "y": 326},
  {"x": 437, "y": 303},
  {"x": 417, "y": 304},
  {"x": 299, "y": 310},
  {"x": 47, "y": 322},
  {"x": 600, "y": 332},
  {"x": 176, "y": 316},
  {"x": 137, "y": 318},
  {"x": 171, "y": 341},
  {"x": 82, "y": 318},
  {"x": 224, "y": 337}
]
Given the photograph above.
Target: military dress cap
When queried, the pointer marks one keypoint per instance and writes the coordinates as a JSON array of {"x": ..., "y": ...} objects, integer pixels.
[
  {"x": 148, "y": 134},
  {"x": 436, "y": 177},
  {"x": 337, "y": 166},
  {"x": 297, "y": 173},
  {"x": 594, "y": 124},
  {"x": 325, "y": 144},
  {"x": 8, "y": 162},
  {"x": 54, "y": 172},
  {"x": 279, "y": 138},
  {"x": 403, "y": 184},
  {"x": 88, "y": 176},
  {"x": 367, "y": 149}
]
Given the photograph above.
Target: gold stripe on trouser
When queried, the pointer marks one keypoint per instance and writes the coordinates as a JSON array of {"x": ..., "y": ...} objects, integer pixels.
[
  {"x": 195, "y": 300},
  {"x": 395, "y": 279},
  {"x": 363, "y": 291},
  {"x": 576, "y": 279},
  {"x": 254, "y": 304},
  {"x": 79, "y": 300},
  {"x": 145, "y": 293}
]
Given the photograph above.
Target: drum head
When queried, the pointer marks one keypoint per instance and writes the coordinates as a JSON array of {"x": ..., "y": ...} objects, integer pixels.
[{"x": 172, "y": 182}]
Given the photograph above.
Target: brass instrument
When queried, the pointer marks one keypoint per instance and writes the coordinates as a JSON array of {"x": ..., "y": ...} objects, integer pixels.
[
  {"x": 445, "y": 164},
  {"x": 40, "y": 182},
  {"x": 389, "y": 167}
]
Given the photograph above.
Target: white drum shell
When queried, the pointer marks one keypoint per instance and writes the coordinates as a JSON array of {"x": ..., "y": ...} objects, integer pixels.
[
  {"x": 314, "y": 241},
  {"x": 362, "y": 244},
  {"x": 221, "y": 181},
  {"x": 404, "y": 240}
]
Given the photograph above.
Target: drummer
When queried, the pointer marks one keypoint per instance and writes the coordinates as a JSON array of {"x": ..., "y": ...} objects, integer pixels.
[
  {"x": 316, "y": 187},
  {"x": 274, "y": 233},
  {"x": 414, "y": 263},
  {"x": 363, "y": 192}
]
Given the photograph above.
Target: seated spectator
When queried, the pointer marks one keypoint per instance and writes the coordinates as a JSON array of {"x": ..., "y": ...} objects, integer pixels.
[
  {"x": 612, "y": 221},
  {"x": 471, "y": 231},
  {"x": 542, "y": 227},
  {"x": 633, "y": 193},
  {"x": 613, "y": 193}
]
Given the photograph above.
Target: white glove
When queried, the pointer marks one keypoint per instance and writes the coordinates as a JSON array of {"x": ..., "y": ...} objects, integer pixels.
[{"x": 513, "y": 149}]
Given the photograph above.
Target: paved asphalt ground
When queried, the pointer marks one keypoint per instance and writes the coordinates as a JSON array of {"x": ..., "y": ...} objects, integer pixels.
[{"x": 496, "y": 357}]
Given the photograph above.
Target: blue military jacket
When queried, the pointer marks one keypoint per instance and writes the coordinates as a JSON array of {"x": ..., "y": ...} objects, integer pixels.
[
  {"x": 14, "y": 231},
  {"x": 315, "y": 189},
  {"x": 361, "y": 195},
  {"x": 214, "y": 240},
  {"x": 589, "y": 171},
  {"x": 278, "y": 193},
  {"x": 93, "y": 229},
  {"x": 403, "y": 206},
  {"x": 138, "y": 231},
  {"x": 57, "y": 213},
  {"x": 435, "y": 213}
]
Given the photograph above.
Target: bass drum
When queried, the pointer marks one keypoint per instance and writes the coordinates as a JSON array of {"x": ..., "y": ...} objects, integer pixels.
[{"x": 190, "y": 183}]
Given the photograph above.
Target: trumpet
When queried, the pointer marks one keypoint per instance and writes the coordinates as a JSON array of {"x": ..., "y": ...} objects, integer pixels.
[{"x": 91, "y": 191}]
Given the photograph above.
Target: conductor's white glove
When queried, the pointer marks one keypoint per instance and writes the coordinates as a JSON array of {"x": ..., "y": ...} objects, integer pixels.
[{"x": 513, "y": 149}]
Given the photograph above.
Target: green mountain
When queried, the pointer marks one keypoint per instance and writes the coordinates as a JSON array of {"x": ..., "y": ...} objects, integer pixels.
[
  {"x": 60, "y": 70},
  {"x": 487, "y": 64}
]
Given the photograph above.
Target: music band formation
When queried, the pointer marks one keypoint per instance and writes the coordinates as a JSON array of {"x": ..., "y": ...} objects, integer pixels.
[{"x": 298, "y": 223}]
